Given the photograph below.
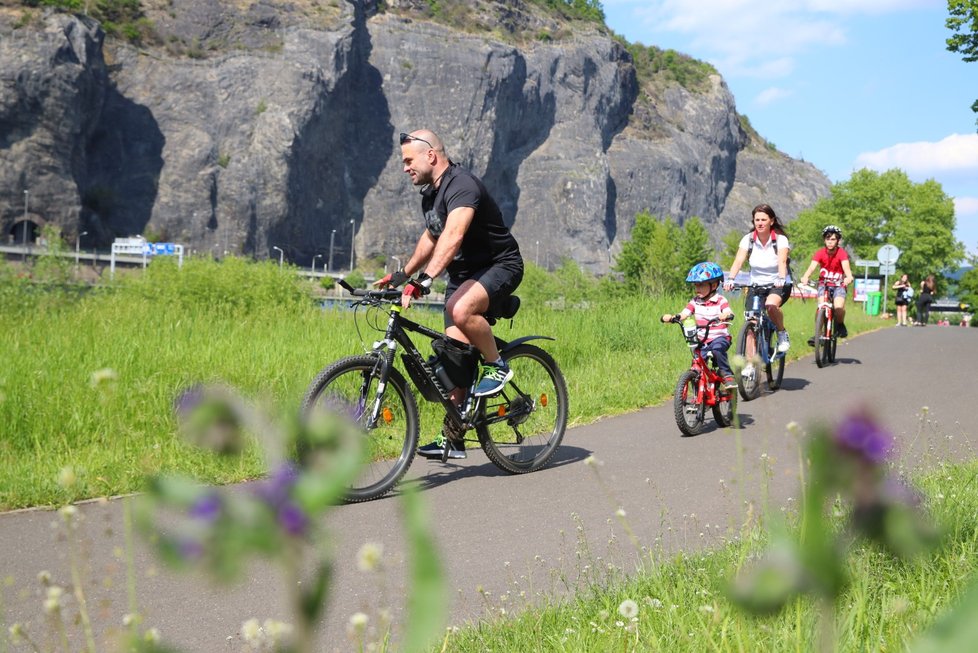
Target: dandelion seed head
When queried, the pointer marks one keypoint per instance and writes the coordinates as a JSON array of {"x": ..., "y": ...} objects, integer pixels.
[
  {"x": 152, "y": 636},
  {"x": 628, "y": 609}
]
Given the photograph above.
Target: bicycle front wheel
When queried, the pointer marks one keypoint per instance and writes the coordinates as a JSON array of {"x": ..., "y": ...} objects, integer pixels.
[
  {"x": 689, "y": 412},
  {"x": 748, "y": 381},
  {"x": 725, "y": 406},
  {"x": 522, "y": 427},
  {"x": 822, "y": 346},
  {"x": 775, "y": 366},
  {"x": 349, "y": 387}
]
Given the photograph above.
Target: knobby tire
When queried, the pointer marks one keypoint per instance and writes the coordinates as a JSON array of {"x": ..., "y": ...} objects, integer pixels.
[
  {"x": 523, "y": 426},
  {"x": 688, "y": 412},
  {"x": 749, "y": 385},
  {"x": 349, "y": 387}
]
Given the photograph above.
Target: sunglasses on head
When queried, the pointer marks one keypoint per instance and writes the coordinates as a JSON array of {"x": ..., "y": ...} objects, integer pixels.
[{"x": 407, "y": 138}]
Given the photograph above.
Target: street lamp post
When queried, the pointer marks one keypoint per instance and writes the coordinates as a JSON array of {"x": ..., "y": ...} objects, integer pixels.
[
  {"x": 353, "y": 248},
  {"x": 536, "y": 257},
  {"x": 78, "y": 245},
  {"x": 312, "y": 268},
  {"x": 332, "y": 239},
  {"x": 281, "y": 255},
  {"x": 24, "y": 239}
]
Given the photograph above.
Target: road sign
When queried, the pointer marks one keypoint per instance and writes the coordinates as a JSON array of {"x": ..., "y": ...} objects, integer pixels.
[
  {"x": 888, "y": 268},
  {"x": 888, "y": 254},
  {"x": 866, "y": 263}
]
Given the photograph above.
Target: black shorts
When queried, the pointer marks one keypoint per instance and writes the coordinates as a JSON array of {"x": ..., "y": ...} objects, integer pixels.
[
  {"x": 784, "y": 292},
  {"x": 500, "y": 280},
  {"x": 901, "y": 302}
]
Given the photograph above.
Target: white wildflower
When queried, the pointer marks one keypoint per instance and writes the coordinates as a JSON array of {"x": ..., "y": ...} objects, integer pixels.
[
  {"x": 370, "y": 556},
  {"x": 358, "y": 621},
  {"x": 251, "y": 631},
  {"x": 628, "y": 609}
]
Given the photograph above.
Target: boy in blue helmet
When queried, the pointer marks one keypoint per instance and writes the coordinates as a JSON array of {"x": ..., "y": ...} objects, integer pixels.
[{"x": 705, "y": 305}]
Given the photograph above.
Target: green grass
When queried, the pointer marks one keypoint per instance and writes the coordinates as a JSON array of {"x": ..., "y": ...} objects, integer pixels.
[
  {"x": 682, "y": 604},
  {"x": 254, "y": 327}
]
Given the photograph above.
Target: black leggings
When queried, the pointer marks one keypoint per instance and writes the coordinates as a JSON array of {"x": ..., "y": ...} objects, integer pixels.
[{"x": 923, "y": 308}]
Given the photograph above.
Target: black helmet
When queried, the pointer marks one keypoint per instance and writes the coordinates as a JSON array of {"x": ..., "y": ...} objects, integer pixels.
[{"x": 832, "y": 229}]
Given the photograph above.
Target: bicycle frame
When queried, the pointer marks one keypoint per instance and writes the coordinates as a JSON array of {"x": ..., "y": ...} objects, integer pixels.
[
  {"x": 463, "y": 417},
  {"x": 706, "y": 394},
  {"x": 826, "y": 304}
]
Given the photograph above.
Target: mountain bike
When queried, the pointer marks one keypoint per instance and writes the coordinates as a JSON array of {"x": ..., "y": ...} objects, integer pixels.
[
  {"x": 757, "y": 343},
  {"x": 701, "y": 386},
  {"x": 519, "y": 429},
  {"x": 825, "y": 336}
]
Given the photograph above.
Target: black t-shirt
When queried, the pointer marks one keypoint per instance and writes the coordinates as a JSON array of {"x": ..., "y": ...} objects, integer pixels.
[{"x": 488, "y": 239}]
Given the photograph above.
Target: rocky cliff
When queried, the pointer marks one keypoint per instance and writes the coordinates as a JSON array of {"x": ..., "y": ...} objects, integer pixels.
[{"x": 273, "y": 124}]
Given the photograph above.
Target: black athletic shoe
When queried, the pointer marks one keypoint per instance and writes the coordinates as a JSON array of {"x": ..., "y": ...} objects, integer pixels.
[
  {"x": 436, "y": 449},
  {"x": 811, "y": 341},
  {"x": 842, "y": 331}
]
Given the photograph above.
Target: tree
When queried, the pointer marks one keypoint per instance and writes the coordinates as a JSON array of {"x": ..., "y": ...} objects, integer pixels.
[
  {"x": 963, "y": 21},
  {"x": 659, "y": 254},
  {"x": 968, "y": 286},
  {"x": 885, "y": 208},
  {"x": 695, "y": 244}
]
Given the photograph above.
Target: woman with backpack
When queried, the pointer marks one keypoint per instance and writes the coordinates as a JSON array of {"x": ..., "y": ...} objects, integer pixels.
[
  {"x": 766, "y": 250},
  {"x": 904, "y": 292}
]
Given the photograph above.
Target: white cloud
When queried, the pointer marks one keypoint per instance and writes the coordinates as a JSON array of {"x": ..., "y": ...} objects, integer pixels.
[
  {"x": 966, "y": 207},
  {"x": 743, "y": 37},
  {"x": 770, "y": 96},
  {"x": 957, "y": 155}
]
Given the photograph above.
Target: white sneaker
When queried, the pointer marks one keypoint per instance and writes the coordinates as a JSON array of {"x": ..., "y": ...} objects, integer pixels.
[{"x": 783, "y": 343}]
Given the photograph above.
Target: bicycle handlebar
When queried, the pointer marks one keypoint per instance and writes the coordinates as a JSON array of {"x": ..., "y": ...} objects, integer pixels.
[{"x": 386, "y": 294}]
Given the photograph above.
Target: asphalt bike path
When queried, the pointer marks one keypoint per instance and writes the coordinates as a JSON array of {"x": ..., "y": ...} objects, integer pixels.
[{"x": 508, "y": 540}]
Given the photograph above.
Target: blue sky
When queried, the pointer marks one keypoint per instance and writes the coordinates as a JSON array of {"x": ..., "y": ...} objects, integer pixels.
[{"x": 843, "y": 84}]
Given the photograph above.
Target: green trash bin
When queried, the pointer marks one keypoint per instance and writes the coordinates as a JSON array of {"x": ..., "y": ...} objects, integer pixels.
[{"x": 873, "y": 302}]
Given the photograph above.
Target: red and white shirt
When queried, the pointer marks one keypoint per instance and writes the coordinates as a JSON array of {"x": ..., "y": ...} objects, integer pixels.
[
  {"x": 705, "y": 310},
  {"x": 831, "y": 263}
]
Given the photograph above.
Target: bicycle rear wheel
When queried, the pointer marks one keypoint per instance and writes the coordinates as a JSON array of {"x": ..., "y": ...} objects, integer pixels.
[
  {"x": 522, "y": 427},
  {"x": 688, "y": 411},
  {"x": 349, "y": 387},
  {"x": 822, "y": 345},
  {"x": 748, "y": 381},
  {"x": 775, "y": 367}
]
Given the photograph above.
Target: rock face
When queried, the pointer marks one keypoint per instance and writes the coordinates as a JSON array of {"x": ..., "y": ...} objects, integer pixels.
[{"x": 290, "y": 140}]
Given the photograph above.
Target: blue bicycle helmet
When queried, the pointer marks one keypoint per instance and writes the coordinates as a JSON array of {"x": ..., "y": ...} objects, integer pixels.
[{"x": 704, "y": 272}]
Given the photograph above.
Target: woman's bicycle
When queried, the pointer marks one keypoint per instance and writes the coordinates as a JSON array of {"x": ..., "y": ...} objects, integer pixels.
[
  {"x": 825, "y": 340},
  {"x": 701, "y": 386},
  {"x": 757, "y": 344},
  {"x": 519, "y": 429}
]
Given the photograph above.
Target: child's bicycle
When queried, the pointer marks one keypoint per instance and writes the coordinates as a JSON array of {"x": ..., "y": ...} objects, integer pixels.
[
  {"x": 757, "y": 344},
  {"x": 520, "y": 429},
  {"x": 701, "y": 386},
  {"x": 825, "y": 336}
]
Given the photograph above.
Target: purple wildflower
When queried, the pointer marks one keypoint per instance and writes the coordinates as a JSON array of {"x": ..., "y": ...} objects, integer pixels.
[
  {"x": 275, "y": 490},
  {"x": 189, "y": 549},
  {"x": 207, "y": 507},
  {"x": 861, "y": 435},
  {"x": 188, "y": 401},
  {"x": 292, "y": 519}
]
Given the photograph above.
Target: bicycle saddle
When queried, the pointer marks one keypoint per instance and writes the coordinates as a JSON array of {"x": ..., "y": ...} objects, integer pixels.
[{"x": 502, "y": 308}]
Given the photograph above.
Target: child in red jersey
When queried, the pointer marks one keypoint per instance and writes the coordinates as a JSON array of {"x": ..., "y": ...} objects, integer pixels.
[{"x": 834, "y": 263}]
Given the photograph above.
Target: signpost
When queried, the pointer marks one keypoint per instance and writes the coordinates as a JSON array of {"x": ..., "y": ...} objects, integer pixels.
[
  {"x": 887, "y": 256},
  {"x": 139, "y": 246}
]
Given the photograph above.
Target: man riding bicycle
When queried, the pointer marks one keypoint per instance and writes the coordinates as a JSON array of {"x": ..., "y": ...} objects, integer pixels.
[
  {"x": 466, "y": 236},
  {"x": 836, "y": 271}
]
